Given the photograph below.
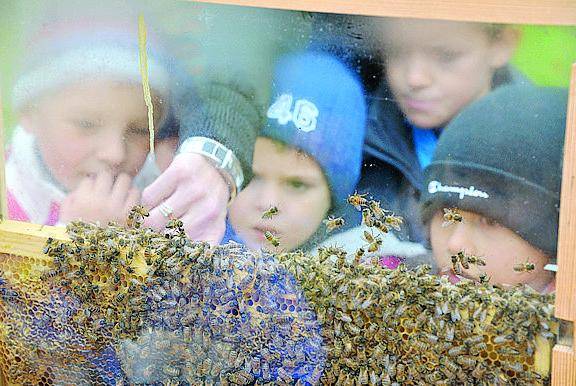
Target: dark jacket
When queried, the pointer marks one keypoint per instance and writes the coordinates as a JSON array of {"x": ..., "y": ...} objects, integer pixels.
[{"x": 391, "y": 170}]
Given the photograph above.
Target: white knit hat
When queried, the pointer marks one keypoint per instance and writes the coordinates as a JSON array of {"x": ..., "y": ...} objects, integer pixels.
[{"x": 67, "y": 53}]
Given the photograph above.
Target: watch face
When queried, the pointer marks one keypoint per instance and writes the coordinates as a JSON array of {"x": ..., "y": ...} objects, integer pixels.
[{"x": 220, "y": 153}]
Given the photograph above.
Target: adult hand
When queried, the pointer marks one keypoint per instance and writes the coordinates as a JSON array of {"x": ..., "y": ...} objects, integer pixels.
[
  {"x": 101, "y": 198},
  {"x": 196, "y": 192}
]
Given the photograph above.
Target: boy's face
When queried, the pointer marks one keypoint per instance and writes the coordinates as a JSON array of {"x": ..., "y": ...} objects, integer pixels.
[
  {"x": 499, "y": 246},
  {"x": 289, "y": 180},
  {"x": 89, "y": 127},
  {"x": 436, "y": 68}
]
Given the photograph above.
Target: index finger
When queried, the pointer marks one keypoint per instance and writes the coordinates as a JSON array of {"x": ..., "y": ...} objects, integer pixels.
[{"x": 162, "y": 188}]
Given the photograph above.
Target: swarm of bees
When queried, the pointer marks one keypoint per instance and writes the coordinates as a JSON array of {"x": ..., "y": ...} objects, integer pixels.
[
  {"x": 121, "y": 306},
  {"x": 385, "y": 327}
]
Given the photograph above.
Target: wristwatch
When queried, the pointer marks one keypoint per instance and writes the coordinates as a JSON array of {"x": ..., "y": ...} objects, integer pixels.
[{"x": 220, "y": 156}]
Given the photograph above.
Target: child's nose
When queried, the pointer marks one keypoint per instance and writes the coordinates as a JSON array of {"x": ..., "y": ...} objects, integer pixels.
[
  {"x": 459, "y": 239},
  {"x": 268, "y": 196},
  {"x": 112, "y": 148},
  {"x": 417, "y": 72}
]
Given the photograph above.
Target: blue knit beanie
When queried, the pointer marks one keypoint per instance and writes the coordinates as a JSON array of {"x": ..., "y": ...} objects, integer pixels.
[{"x": 319, "y": 107}]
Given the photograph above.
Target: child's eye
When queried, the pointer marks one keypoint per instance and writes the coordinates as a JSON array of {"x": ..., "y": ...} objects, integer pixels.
[
  {"x": 489, "y": 222},
  {"x": 85, "y": 124},
  {"x": 297, "y": 184},
  {"x": 138, "y": 131},
  {"x": 447, "y": 55}
]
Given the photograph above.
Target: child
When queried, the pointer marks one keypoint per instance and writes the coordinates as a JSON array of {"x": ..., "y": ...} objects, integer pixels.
[
  {"x": 433, "y": 70},
  {"x": 307, "y": 159},
  {"x": 499, "y": 163},
  {"x": 83, "y": 125}
]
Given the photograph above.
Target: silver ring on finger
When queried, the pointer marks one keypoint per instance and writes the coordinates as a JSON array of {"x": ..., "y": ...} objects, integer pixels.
[{"x": 166, "y": 210}]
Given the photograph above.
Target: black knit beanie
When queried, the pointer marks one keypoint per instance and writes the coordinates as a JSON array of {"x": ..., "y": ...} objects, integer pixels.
[{"x": 501, "y": 157}]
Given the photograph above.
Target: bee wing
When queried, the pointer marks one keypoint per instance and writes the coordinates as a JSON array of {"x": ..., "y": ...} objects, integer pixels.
[{"x": 446, "y": 223}]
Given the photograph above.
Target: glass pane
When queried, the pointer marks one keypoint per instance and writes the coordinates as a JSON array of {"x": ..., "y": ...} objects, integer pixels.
[{"x": 367, "y": 146}]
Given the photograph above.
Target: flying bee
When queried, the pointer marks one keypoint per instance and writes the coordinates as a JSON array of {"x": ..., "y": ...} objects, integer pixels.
[
  {"x": 382, "y": 227},
  {"x": 271, "y": 238},
  {"x": 524, "y": 267},
  {"x": 357, "y": 200},
  {"x": 270, "y": 212},
  {"x": 451, "y": 216},
  {"x": 393, "y": 221},
  {"x": 358, "y": 255},
  {"x": 376, "y": 210},
  {"x": 367, "y": 218},
  {"x": 333, "y": 223},
  {"x": 374, "y": 242}
]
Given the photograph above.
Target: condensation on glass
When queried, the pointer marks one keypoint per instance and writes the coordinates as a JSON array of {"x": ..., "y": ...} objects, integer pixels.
[{"x": 402, "y": 140}]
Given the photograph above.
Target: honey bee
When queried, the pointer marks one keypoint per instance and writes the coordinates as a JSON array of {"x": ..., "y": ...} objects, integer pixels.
[
  {"x": 475, "y": 350},
  {"x": 380, "y": 226},
  {"x": 357, "y": 200},
  {"x": 270, "y": 212},
  {"x": 466, "y": 361},
  {"x": 476, "y": 260},
  {"x": 479, "y": 371},
  {"x": 367, "y": 218},
  {"x": 451, "y": 216},
  {"x": 524, "y": 267},
  {"x": 358, "y": 255},
  {"x": 136, "y": 216},
  {"x": 484, "y": 278},
  {"x": 506, "y": 350},
  {"x": 171, "y": 371},
  {"x": 266, "y": 371},
  {"x": 363, "y": 376},
  {"x": 272, "y": 239},
  {"x": 333, "y": 223},
  {"x": 374, "y": 242},
  {"x": 376, "y": 210},
  {"x": 513, "y": 366},
  {"x": 457, "y": 350},
  {"x": 456, "y": 264},
  {"x": 393, "y": 221}
]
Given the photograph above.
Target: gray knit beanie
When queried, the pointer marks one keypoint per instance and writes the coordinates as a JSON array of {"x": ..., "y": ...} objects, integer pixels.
[
  {"x": 225, "y": 112},
  {"x": 501, "y": 157}
]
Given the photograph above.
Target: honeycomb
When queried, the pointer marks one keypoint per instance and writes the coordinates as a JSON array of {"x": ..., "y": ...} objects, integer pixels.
[{"x": 117, "y": 305}]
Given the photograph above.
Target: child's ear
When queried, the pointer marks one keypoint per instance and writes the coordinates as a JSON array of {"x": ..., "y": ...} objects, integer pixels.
[
  {"x": 504, "y": 46},
  {"x": 28, "y": 119}
]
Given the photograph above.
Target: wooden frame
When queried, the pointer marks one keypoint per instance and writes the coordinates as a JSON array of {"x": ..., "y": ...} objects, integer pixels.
[{"x": 28, "y": 239}]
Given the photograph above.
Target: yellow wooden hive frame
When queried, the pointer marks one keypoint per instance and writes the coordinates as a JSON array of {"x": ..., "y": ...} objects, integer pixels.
[{"x": 24, "y": 239}]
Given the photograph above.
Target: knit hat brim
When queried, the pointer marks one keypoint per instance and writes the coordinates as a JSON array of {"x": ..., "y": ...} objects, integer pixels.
[
  {"x": 76, "y": 65},
  {"x": 494, "y": 195}
]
